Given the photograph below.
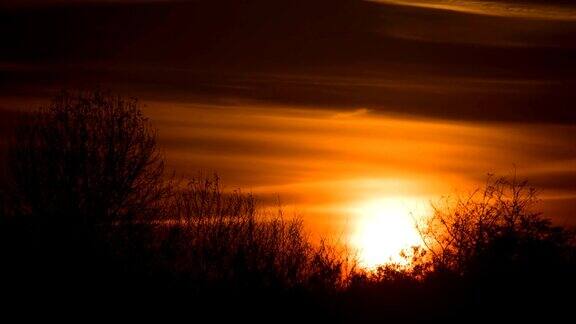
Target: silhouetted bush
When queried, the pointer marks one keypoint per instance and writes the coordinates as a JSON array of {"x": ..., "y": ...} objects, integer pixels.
[
  {"x": 87, "y": 158},
  {"x": 460, "y": 232},
  {"x": 78, "y": 168},
  {"x": 495, "y": 228},
  {"x": 499, "y": 252},
  {"x": 489, "y": 254},
  {"x": 210, "y": 236}
]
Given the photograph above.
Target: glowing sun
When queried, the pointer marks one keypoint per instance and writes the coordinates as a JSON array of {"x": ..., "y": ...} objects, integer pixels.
[{"x": 383, "y": 228}]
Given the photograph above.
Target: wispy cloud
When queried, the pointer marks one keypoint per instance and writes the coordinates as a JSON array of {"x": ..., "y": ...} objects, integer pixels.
[
  {"x": 303, "y": 150},
  {"x": 493, "y": 8}
]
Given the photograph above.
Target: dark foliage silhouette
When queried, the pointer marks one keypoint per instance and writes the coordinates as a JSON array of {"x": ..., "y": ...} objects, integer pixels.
[
  {"x": 230, "y": 252},
  {"x": 90, "y": 220},
  {"x": 231, "y": 239},
  {"x": 88, "y": 201},
  {"x": 87, "y": 158},
  {"x": 488, "y": 253},
  {"x": 505, "y": 254},
  {"x": 80, "y": 170},
  {"x": 460, "y": 233}
]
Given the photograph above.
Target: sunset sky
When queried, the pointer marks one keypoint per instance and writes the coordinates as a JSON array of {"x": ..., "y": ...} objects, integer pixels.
[{"x": 344, "y": 108}]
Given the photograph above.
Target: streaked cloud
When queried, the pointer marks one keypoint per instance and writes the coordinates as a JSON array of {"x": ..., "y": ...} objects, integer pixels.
[
  {"x": 315, "y": 160},
  {"x": 340, "y": 98},
  {"x": 510, "y": 9}
]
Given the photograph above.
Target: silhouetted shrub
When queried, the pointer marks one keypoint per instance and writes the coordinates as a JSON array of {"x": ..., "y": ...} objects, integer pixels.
[
  {"x": 497, "y": 223},
  {"x": 489, "y": 253},
  {"x": 215, "y": 248},
  {"x": 225, "y": 237},
  {"x": 87, "y": 159},
  {"x": 498, "y": 253}
]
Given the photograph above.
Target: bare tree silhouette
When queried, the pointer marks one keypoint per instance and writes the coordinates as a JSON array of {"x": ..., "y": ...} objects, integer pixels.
[
  {"x": 498, "y": 218},
  {"x": 498, "y": 253},
  {"x": 226, "y": 236},
  {"x": 84, "y": 174},
  {"x": 87, "y": 158}
]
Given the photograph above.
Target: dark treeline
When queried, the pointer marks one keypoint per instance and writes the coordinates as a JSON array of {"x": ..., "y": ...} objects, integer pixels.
[{"x": 91, "y": 221}]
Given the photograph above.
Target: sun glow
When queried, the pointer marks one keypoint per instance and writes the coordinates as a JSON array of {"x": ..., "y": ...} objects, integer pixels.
[{"x": 384, "y": 228}]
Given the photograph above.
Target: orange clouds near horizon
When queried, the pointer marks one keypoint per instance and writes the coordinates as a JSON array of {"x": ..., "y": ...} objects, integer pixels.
[
  {"x": 512, "y": 9},
  {"x": 323, "y": 162}
]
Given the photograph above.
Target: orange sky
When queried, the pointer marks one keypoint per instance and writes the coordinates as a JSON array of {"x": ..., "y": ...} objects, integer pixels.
[
  {"x": 339, "y": 106},
  {"x": 323, "y": 162}
]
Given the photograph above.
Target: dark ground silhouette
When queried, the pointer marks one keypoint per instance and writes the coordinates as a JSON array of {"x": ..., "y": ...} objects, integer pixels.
[{"x": 92, "y": 222}]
